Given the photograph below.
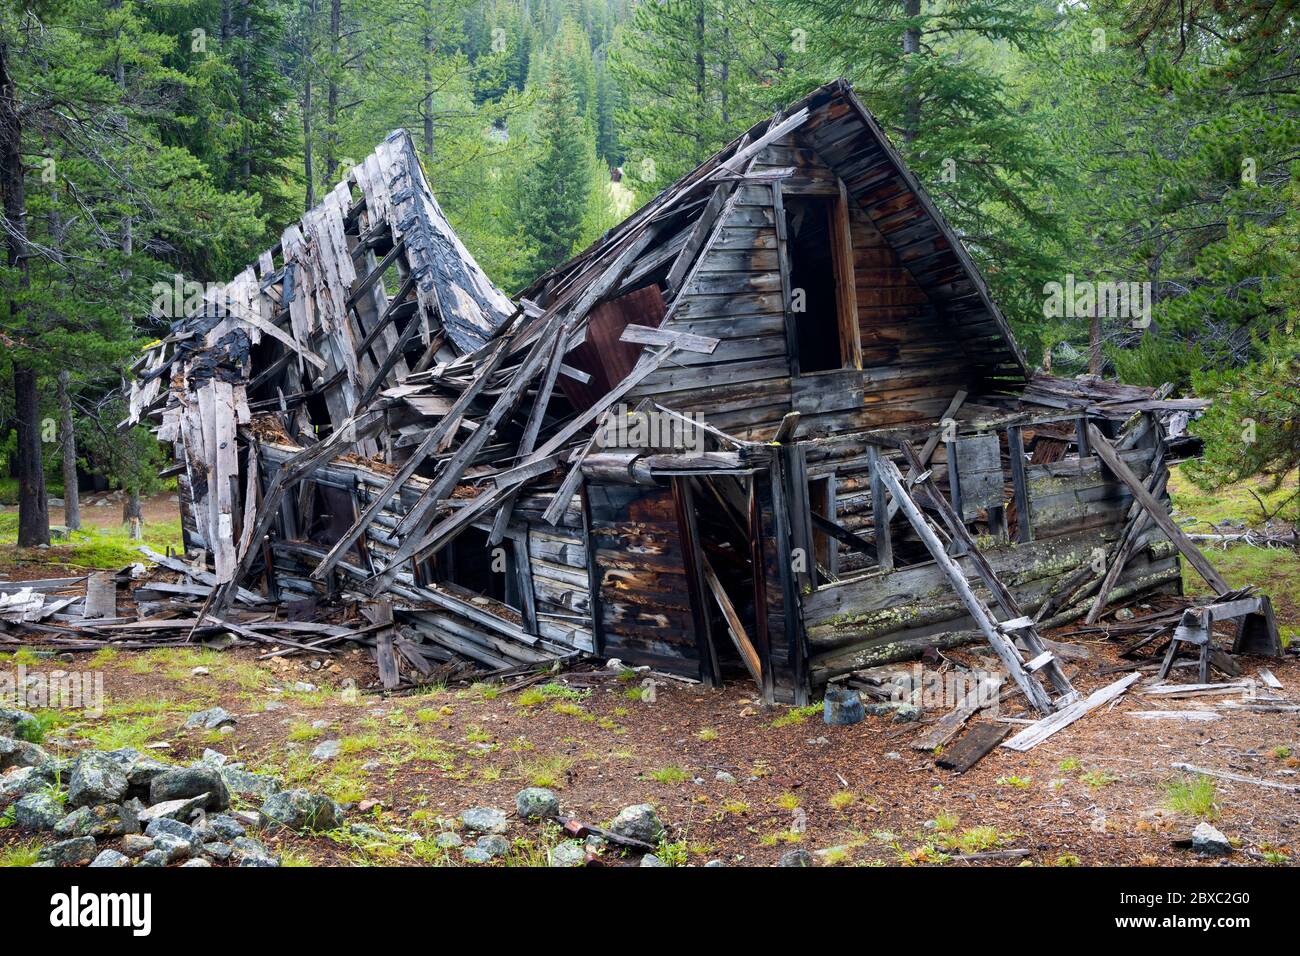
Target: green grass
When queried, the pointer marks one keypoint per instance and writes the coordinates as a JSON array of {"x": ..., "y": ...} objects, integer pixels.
[
  {"x": 549, "y": 772},
  {"x": 20, "y": 854},
  {"x": 550, "y": 692},
  {"x": 105, "y": 548},
  {"x": 1194, "y": 796},
  {"x": 669, "y": 775},
  {"x": 1231, "y": 502},
  {"x": 797, "y": 715}
]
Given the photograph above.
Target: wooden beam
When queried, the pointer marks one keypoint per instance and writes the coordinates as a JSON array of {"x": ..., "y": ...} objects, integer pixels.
[
  {"x": 1106, "y": 452},
  {"x": 846, "y": 298},
  {"x": 1035, "y": 734}
]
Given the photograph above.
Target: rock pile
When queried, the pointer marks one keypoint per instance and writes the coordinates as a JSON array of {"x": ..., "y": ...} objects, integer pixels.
[{"x": 155, "y": 813}]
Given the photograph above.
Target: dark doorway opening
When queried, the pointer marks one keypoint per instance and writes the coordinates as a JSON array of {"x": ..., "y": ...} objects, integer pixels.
[{"x": 813, "y": 289}]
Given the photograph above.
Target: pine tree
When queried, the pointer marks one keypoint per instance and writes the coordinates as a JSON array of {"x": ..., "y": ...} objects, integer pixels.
[{"x": 557, "y": 189}]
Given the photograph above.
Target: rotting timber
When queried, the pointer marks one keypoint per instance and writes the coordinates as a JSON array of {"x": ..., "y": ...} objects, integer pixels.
[{"x": 862, "y": 464}]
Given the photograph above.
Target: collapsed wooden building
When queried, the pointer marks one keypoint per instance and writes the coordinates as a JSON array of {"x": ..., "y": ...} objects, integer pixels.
[{"x": 773, "y": 423}]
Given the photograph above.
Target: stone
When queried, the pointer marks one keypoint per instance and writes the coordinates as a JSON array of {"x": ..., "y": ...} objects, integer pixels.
[
  {"x": 38, "y": 811},
  {"x": 326, "y": 750},
  {"x": 246, "y": 818},
  {"x": 493, "y": 844},
  {"x": 302, "y": 810},
  {"x": 69, "y": 852},
  {"x": 136, "y": 844},
  {"x": 18, "y": 723},
  {"x": 213, "y": 758},
  {"x": 184, "y": 783},
  {"x": 125, "y": 757},
  {"x": 1209, "y": 841},
  {"x": 15, "y": 752},
  {"x": 249, "y": 852},
  {"x": 176, "y": 829},
  {"x": 537, "y": 803},
  {"x": 714, "y": 863},
  {"x": 250, "y": 784},
  {"x": 96, "y": 779},
  {"x": 214, "y": 718},
  {"x": 109, "y": 858},
  {"x": 901, "y": 712},
  {"x": 200, "y": 672},
  {"x": 19, "y": 783},
  {"x": 651, "y": 860},
  {"x": 142, "y": 772},
  {"x": 484, "y": 820},
  {"x": 172, "y": 847},
  {"x": 638, "y": 822},
  {"x": 173, "y": 809},
  {"x": 472, "y": 854},
  {"x": 225, "y": 827},
  {"x": 153, "y": 858},
  {"x": 796, "y": 858},
  {"x": 568, "y": 853},
  {"x": 448, "y": 841},
  {"x": 197, "y": 861},
  {"x": 723, "y": 777},
  {"x": 221, "y": 852},
  {"x": 842, "y": 706},
  {"x": 303, "y": 687},
  {"x": 106, "y": 821}
]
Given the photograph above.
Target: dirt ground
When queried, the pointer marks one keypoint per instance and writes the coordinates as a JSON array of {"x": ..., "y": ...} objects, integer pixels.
[
  {"x": 1094, "y": 794},
  {"x": 158, "y": 509}
]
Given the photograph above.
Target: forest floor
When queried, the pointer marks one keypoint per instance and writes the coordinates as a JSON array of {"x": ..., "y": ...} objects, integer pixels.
[{"x": 733, "y": 780}]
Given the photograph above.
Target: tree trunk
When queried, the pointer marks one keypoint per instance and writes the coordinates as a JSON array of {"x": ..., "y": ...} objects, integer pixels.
[
  {"x": 911, "y": 50},
  {"x": 332, "y": 107},
  {"x": 133, "y": 514},
  {"x": 33, "y": 510},
  {"x": 308, "y": 166},
  {"x": 1094, "y": 341},
  {"x": 68, "y": 437},
  {"x": 700, "y": 76},
  {"x": 428, "y": 82}
]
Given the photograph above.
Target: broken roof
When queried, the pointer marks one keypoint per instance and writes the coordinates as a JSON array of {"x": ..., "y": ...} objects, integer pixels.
[{"x": 835, "y": 123}]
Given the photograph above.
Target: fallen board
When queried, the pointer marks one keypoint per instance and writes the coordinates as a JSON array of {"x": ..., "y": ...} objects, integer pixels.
[
  {"x": 1034, "y": 735},
  {"x": 1238, "y": 778},
  {"x": 968, "y": 751},
  {"x": 950, "y": 724},
  {"x": 101, "y": 596}
]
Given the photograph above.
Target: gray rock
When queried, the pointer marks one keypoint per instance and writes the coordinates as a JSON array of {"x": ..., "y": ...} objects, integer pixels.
[
  {"x": 172, "y": 847},
  {"x": 142, "y": 772},
  {"x": 125, "y": 757},
  {"x": 186, "y": 782},
  {"x": 25, "y": 780},
  {"x": 651, "y": 860},
  {"x": 250, "y": 784},
  {"x": 107, "y": 821},
  {"x": 246, "y": 818},
  {"x": 225, "y": 827},
  {"x": 568, "y": 853},
  {"x": 214, "y": 718},
  {"x": 714, "y": 863},
  {"x": 537, "y": 803},
  {"x": 723, "y": 777},
  {"x": 484, "y": 820},
  {"x": 69, "y": 852},
  {"x": 18, "y": 723},
  {"x": 901, "y": 712},
  {"x": 96, "y": 779},
  {"x": 302, "y": 810},
  {"x": 326, "y": 750},
  {"x": 213, "y": 758},
  {"x": 638, "y": 822},
  {"x": 494, "y": 845},
  {"x": 472, "y": 854},
  {"x": 221, "y": 852},
  {"x": 19, "y": 753},
  {"x": 38, "y": 811},
  {"x": 173, "y": 809},
  {"x": 448, "y": 841},
  {"x": 249, "y": 852},
  {"x": 796, "y": 858},
  {"x": 1209, "y": 841},
  {"x": 175, "y": 828},
  {"x": 842, "y": 706},
  {"x": 136, "y": 844},
  {"x": 109, "y": 858},
  {"x": 197, "y": 861},
  {"x": 153, "y": 858}
]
